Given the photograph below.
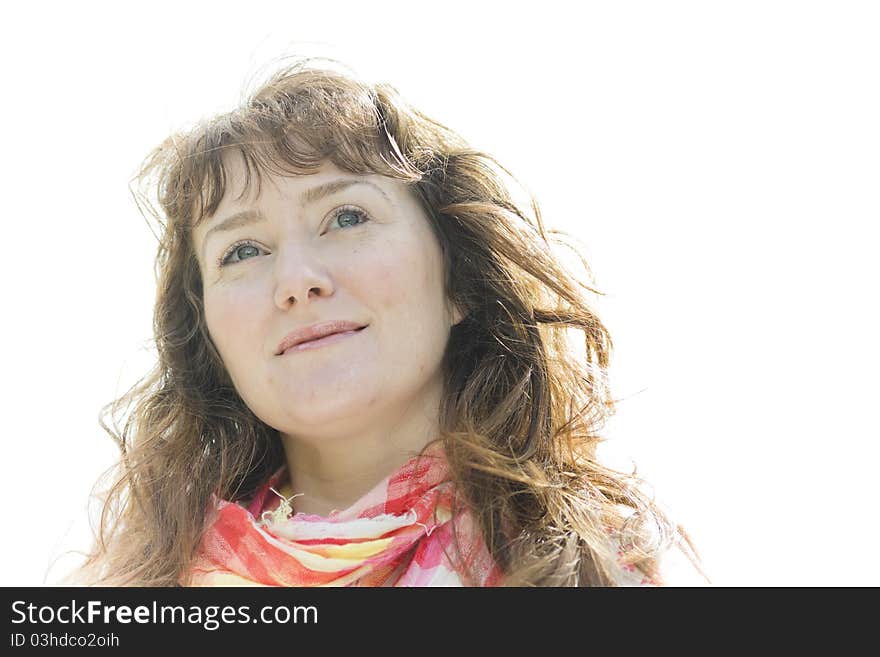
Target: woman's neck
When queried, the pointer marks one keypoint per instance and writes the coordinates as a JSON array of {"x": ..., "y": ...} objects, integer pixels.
[{"x": 332, "y": 472}]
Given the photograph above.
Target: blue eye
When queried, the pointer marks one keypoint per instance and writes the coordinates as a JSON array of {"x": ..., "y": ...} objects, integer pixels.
[
  {"x": 352, "y": 212},
  {"x": 238, "y": 249}
]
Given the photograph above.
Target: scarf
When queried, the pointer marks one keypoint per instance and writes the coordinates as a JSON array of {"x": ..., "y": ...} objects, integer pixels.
[{"x": 400, "y": 533}]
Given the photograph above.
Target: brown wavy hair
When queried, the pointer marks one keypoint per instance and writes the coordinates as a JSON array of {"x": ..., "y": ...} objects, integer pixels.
[{"x": 524, "y": 405}]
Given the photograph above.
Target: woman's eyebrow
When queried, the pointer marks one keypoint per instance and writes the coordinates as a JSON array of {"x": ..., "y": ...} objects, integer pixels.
[
  {"x": 318, "y": 192},
  {"x": 310, "y": 196}
]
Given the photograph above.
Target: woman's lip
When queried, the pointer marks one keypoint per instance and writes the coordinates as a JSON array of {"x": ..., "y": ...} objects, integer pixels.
[
  {"x": 320, "y": 342},
  {"x": 315, "y": 331}
]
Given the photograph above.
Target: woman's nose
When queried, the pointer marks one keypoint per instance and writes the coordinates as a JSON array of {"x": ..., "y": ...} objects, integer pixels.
[{"x": 300, "y": 274}]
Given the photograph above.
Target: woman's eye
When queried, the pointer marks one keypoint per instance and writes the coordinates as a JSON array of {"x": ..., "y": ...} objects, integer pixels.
[
  {"x": 239, "y": 252},
  {"x": 344, "y": 216}
]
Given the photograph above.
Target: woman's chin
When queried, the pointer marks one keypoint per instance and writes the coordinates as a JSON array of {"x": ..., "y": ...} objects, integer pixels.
[{"x": 323, "y": 416}]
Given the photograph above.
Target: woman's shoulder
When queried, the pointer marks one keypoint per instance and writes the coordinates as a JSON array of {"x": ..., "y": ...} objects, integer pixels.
[
  {"x": 674, "y": 568},
  {"x": 679, "y": 567},
  {"x": 676, "y": 563}
]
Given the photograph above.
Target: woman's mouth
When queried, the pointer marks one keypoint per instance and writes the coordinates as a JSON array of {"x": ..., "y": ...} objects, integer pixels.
[{"x": 322, "y": 342}]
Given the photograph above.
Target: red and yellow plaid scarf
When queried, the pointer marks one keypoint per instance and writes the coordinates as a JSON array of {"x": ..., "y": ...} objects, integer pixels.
[{"x": 401, "y": 533}]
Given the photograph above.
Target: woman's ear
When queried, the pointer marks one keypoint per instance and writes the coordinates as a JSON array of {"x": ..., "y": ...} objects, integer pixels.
[{"x": 457, "y": 314}]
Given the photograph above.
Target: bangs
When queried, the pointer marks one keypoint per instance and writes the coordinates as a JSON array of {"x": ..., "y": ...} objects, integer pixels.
[{"x": 281, "y": 136}]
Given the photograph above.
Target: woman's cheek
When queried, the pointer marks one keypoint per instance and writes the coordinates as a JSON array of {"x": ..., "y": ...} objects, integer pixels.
[
  {"x": 394, "y": 283},
  {"x": 230, "y": 316}
]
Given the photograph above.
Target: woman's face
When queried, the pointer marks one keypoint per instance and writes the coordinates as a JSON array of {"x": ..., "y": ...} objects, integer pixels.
[{"x": 314, "y": 249}]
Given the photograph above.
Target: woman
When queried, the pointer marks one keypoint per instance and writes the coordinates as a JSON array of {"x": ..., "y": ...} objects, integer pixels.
[{"x": 365, "y": 374}]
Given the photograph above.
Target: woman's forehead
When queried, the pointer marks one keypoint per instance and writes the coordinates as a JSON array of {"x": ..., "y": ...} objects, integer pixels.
[{"x": 245, "y": 187}]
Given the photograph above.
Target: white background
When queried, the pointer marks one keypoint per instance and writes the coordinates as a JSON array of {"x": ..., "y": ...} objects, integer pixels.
[{"x": 719, "y": 159}]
